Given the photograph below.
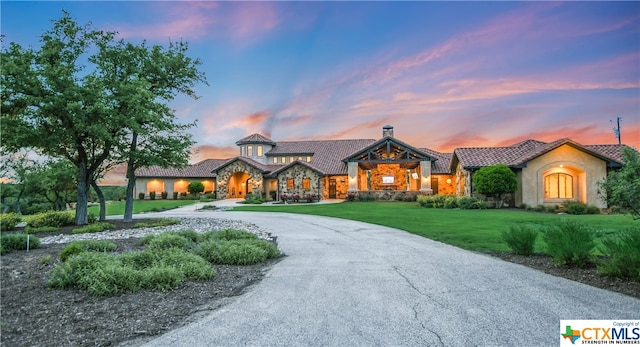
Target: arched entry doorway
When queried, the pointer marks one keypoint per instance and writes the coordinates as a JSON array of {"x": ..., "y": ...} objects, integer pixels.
[{"x": 239, "y": 185}]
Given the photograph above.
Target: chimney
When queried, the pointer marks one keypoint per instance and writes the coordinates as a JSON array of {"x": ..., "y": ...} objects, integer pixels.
[{"x": 387, "y": 131}]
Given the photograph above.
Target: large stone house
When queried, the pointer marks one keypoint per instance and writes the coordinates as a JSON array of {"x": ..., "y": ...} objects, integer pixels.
[{"x": 390, "y": 169}]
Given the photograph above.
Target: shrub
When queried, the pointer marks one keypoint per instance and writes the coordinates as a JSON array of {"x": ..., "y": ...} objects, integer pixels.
[
  {"x": 234, "y": 252},
  {"x": 497, "y": 181},
  {"x": 539, "y": 208},
  {"x": 520, "y": 238},
  {"x": 111, "y": 279},
  {"x": 52, "y": 219},
  {"x": 31, "y": 230},
  {"x": 574, "y": 207},
  {"x": 17, "y": 242},
  {"x": 141, "y": 259},
  {"x": 162, "y": 278},
  {"x": 591, "y": 209},
  {"x": 365, "y": 197},
  {"x": 271, "y": 249},
  {"x": 158, "y": 223},
  {"x": 164, "y": 195},
  {"x": 623, "y": 252},
  {"x": 79, "y": 246},
  {"x": 141, "y": 196},
  {"x": 232, "y": 234},
  {"x": 9, "y": 221},
  {"x": 191, "y": 265},
  {"x": 70, "y": 273},
  {"x": 152, "y": 195},
  {"x": 351, "y": 196},
  {"x": 175, "y": 195},
  {"x": 569, "y": 243},
  {"x": 93, "y": 228},
  {"x": 450, "y": 202},
  {"x": 425, "y": 201},
  {"x": 169, "y": 240}
]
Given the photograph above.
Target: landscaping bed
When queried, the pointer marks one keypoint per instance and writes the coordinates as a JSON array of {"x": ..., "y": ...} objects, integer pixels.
[{"x": 33, "y": 315}]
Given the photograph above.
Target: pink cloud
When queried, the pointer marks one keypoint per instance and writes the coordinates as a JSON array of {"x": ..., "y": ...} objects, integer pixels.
[{"x": 241, "y": 22}]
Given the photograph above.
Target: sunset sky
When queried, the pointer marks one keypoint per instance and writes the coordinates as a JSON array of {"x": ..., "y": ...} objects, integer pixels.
[{"x": 444, "y": 74}]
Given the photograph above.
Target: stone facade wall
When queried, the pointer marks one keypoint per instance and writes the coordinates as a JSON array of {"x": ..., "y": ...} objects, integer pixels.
[
  {"x": 399, "y": 174},
  {"x": 256, "y": 179},
  {"x": 298, "y": 173}
]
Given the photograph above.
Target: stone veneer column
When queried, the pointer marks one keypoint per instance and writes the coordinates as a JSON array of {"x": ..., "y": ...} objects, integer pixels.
[
  {"x": 352, "y": 167},
  {"x": 425, "y": 177}
]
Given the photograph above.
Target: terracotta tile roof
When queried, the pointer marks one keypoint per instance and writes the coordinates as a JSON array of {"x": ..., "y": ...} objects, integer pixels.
[
  {"x": 255, "y": 138},
  {"x": 202, "y": 169},
  {"x": 297, "y": 162},
  {"x": 443, "y": 164},
  {"x": 520, "y": 153},
  {"x": 612, "y": 151},
  {"x": 326, "y": 155},
  {"x": 255, "y": 164}
]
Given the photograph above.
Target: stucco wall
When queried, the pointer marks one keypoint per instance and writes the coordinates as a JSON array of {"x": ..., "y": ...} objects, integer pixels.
[
  {"x": 587, "y": 170},
  {"x": 168, "y": 185}
]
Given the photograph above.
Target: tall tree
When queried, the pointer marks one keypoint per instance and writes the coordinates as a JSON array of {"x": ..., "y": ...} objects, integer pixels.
[
  {"x": 114, "y": 112},
  {"x": 55, "y": 106},
  {"x": 622, "y": 188},
  {"x": 143, "y": 80}
]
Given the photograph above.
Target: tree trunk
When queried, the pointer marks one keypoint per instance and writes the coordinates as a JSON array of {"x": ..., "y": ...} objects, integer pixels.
[
  {"x": 128, "y": 205},
  {"x": 131, "y": 179},
  {"x": 103, "y": 205},
  {"x": 83, "y": 195}
]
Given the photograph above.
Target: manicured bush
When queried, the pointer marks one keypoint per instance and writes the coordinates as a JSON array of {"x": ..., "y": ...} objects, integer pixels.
[
  {"x": 152, "y": 195},
  {"x": 521, "y": 238},
  {"x": 52, "y": 219},
  {"x": 9, "y": 221},
  {"x": 451, "y": 202},
  {"x": 175, "y": 195},
  {"x": 93, "y": 228},
  {"x": 623, "y": 254},
  {"x": 79, "y": 246},
  {"x": 497, "y": 181},
  {"x": 141, "y": 196},
  {"x": 17, "y": 242},
  {"x": 164, "y": 195},
  {"x": 569, "y": 243}
]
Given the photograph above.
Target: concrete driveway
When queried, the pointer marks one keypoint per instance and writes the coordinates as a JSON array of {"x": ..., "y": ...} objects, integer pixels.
[{"x": 346, "y": 283}]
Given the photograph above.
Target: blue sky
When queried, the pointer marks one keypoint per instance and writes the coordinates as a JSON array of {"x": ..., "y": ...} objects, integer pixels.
[{"x": 444, "y": 74}]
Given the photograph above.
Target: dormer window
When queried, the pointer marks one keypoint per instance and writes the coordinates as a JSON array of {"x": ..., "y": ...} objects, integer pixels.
[
  {"x": 308, "y": 159},
  {"x": 250, "y": 151},
  {"x": 259, "y": 150}
]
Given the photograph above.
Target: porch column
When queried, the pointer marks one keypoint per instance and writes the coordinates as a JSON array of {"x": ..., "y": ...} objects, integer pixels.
[
  {"x": 425, "y": 177},
  {"x": 352, "y": 167}
]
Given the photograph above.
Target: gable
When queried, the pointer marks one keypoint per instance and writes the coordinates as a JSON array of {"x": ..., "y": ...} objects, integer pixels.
[{"x": 389, "y": 150}]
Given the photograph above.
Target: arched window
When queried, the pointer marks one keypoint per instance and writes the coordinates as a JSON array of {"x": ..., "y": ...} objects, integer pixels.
[{"x": 558, "y": 186}]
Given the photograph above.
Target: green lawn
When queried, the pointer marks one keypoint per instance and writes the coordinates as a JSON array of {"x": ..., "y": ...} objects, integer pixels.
[
  {"x": 139, "y": 206},
  {"x": 469, "y": 229}
]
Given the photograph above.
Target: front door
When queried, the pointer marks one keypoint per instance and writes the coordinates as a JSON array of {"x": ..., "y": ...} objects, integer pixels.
[
  {"x": 434, "y": 185},
  {"x": 332, "y": 189}
]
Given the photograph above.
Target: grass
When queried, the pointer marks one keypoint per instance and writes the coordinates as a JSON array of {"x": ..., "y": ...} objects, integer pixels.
[
  {"x": 139, "y": 206},
  {"x": 479, "y": 230}
]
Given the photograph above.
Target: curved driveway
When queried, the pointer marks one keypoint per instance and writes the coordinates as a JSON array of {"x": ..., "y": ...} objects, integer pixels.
[{"x": 346, "y": 283}]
